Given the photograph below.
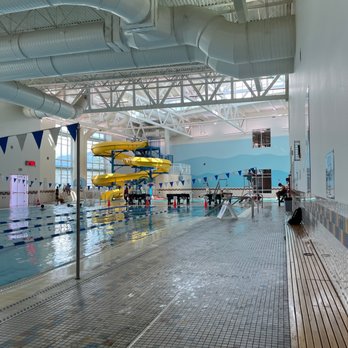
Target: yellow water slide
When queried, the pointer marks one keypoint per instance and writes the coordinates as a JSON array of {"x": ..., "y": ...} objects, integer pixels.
[{"x": 118, "y": 149}]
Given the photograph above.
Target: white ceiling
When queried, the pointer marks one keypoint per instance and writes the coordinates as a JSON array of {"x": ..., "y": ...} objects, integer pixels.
[{"x": 151, "y": 122}]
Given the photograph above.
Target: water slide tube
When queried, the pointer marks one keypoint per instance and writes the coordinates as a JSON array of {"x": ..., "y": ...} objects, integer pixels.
[{"x": 118, "y": 149}]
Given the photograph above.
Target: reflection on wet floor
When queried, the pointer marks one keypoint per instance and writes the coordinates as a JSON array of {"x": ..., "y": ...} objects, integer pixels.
[{"x": 33, "y": 241}]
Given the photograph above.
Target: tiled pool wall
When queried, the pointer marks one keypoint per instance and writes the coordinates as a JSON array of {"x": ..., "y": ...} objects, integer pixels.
[
  {"x": 327, "y": 224},
  {"x": 333, "y": 216}
]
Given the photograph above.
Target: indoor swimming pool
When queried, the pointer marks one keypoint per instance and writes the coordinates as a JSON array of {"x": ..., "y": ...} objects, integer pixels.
[{"x": 34, "y": 240}]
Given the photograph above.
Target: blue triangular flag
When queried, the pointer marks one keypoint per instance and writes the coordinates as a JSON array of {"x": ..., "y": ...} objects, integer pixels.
[
  {"x": 40, "y": 183},
  {"x": 183, "y": 182},
  {"x": 88, "y": 187},
  {"x": 14, "y": 179},
  {"x": 38, "y": 137},
  {"x": 23, "y": 181},
  {"x": 160, "y": 184},
  {"x": 31, "y": 182},
  {"x": 50, "y": 184},
  {"x": 239, "y": 172},
  {"x": 72, "y": 128},
  {"x": 171, "y": 183},
  {"x": 3, "y": 143},
  {"x": 205, "y": 179},
  {"x": 228, "y": 175},
  {"x": 60, "y": 185},
  {"x": 6, "y": 178},
  {"x": 193, "y": 181},
  {"x": 216, "y": 177}
]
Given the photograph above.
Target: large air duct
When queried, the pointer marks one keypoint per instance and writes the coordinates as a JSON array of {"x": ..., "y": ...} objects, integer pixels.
[
  {"x": 15, "y": 93},
  {"x": 79, "y": 107},
  {"x": 45, "y": 43},
  {"x": 233, "y": 43},
  {"x": 131, "y": 11},
  {"x": 108, "y": 60}
]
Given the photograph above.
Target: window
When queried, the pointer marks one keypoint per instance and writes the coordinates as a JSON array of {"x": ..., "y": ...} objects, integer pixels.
[
  {"x": 262, "y": 138},
  {"x": 96, "y": 165},
  {"x": 64, "y": 158}
]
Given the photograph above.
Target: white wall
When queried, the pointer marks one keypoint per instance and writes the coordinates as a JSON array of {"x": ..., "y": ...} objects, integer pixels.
[
  {"x": 224, "y": 132},
  {"x": 322, "y": 44},
  {"x": 13, "y": 122}
]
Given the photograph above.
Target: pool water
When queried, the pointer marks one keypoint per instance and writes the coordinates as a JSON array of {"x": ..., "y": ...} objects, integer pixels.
[{"x": 33, "y": 241}]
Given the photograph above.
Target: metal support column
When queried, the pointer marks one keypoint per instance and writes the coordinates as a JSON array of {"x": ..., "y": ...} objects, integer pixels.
[{"x": 78, "y": 210}]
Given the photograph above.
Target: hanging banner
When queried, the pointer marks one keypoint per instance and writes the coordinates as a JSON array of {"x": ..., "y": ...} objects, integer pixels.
[
  {"x": 38, "y": 137},
  {"x": 171, "y": 183},
  {"x": 183, "y": 182},
  {"x": 72, "y": 128},
  {"x": 160, "y": 184},
  {"x": 40, "y": 183},
  {"x": 216, "y": 177},
  {"x": 193, "y": 181},
  {"x": 14, "y": 179},
  {"x": 7, "y": 178},
  {"x": 50, "y": 184},
  {"x": 21, "y": 140},
  {"x": 228, "y": 175},
  {"x": 3, "y": 144},
  {"x": 239, "y": 172},
  {"x": 54, "y": 133},
  {"x": 205, "y": 179}
]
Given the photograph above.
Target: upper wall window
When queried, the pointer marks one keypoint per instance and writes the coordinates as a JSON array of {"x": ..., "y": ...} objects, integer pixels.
[{"x": 262, "y": 137}]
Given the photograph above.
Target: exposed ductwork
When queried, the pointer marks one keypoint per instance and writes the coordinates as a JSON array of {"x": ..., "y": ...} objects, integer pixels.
[
  {"x": 108, "y": 60},
  {"x": 15, "y": 93},
  {"x": 46, "y": 43},
  {"x": 264, "y": 40},
  {"x": 79, "y": 107},
  {"x": 174, "y": 36},
  {"x": 131, "y": 11}
]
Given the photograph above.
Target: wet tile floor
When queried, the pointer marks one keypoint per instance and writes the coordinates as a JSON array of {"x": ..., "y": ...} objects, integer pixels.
[{"x": 209, "y": 283}]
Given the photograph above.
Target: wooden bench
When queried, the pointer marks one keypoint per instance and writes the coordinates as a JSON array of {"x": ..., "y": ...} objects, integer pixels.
[{"x": 317, "y": 315}]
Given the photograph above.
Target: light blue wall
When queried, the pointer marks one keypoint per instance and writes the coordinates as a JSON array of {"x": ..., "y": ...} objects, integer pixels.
[{"x": 218, "y": 158}]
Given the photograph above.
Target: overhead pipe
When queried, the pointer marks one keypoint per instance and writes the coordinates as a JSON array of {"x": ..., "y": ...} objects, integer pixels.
[
  {"x": 16, "y": 93},
  {"x": 244, "y": 71},
  {"x": 233, "y": 43},
  {"x": 45, "y": 43},
  {"x": 80, "y": 106},
  {"x": 109, "y": 60},
  {"x": 131, "y": 11}
]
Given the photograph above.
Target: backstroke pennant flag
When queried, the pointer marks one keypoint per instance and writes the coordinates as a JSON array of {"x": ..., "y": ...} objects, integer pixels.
[
  {"x": 21, "y": 140},
  {"x": 38, "y": 137},
  {"x": 3, "y": 144},
  {"x": 228, "y": 175},
  {"x": 72, "y": 128},
  {"x": 216, "y": 177},
  {"x": 239, "y": 172},
  {"x": 54, "y": 133}
]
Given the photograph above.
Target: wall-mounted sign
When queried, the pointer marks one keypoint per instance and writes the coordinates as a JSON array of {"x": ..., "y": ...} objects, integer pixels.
[{"x": 330, "y": 174}]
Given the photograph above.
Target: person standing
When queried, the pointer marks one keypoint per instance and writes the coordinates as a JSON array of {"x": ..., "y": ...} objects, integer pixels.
[
  {"x": 125, "y": 193},
  {"x": 57, "y": 195}
]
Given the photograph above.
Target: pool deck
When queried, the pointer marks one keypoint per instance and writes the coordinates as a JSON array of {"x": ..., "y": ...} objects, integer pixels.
[{"x": 202, "y": 283}]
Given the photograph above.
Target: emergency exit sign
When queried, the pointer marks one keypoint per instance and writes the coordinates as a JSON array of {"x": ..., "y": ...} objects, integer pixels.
[{"x": 30, "y": 163}]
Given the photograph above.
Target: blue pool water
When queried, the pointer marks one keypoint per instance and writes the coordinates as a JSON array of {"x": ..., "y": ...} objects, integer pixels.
[{"x": 27, "y": 247}]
